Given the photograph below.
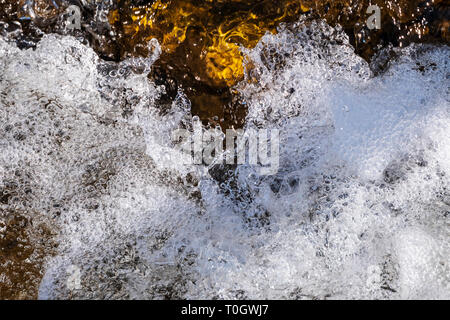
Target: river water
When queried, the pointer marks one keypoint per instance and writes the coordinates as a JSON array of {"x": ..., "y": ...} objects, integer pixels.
[{"x": 95, "y": 202}]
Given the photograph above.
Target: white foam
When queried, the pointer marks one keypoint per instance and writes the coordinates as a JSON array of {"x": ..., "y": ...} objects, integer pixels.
[{"x": 359, "y": 208}]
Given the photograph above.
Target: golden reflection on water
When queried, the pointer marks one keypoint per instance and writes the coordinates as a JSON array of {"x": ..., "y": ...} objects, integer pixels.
[
  {"x": 201, "y": 40},
  {"x": 221, "y": 27}
]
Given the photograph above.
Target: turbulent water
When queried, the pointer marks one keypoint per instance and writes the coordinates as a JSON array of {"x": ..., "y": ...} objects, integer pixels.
[{"x": 359, "y": 208}]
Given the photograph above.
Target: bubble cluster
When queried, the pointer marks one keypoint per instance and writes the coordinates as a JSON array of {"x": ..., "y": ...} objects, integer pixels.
[{"x": 359, "y": 208}]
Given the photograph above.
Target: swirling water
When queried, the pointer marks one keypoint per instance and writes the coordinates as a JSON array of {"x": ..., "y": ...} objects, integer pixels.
[{"x": 358, "y": 209}]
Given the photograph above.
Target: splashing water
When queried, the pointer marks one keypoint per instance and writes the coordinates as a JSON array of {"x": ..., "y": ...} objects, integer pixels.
[
  {"x": 201, "y": 40},
  {"x": 358, "y": 209}
]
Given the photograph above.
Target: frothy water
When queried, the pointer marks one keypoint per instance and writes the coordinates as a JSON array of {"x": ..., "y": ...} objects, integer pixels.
[{"x": 358, "y": 209}]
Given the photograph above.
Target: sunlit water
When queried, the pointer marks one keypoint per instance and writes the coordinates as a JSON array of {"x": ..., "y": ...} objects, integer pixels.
[{"x": 358, "y": 209}]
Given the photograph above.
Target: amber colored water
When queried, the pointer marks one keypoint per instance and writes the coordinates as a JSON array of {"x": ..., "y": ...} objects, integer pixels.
[{"x": 201, "y": 39}]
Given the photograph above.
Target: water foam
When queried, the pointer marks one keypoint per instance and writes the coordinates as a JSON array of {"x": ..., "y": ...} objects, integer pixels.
[{"x": 359, "y": 208}]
